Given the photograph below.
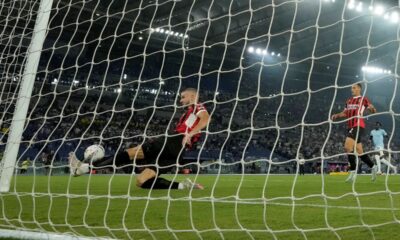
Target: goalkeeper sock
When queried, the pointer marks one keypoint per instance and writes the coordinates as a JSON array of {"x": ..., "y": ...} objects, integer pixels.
[
  {"x": 121, "y": 159},
  {"x": 160, "y": 183},
  {"x": 365, "y": 158},
  {"x": 378, "y": 162},
  {"x": 388, "y": 163},
  {"x": 352, "y": 161}
]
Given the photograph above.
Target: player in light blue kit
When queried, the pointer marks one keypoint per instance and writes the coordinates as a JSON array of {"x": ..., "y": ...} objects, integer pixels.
[{"x": 377, "y": 136}]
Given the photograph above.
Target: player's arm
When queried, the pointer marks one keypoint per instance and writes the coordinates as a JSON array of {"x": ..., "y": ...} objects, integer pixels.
[
  {"x": 370, "y": 138},
  {"x": 371, "y": 108},
  {"x": 339, "y": 115},
  {"x": 369, "y": 105},
  {"x": 204, "y": 120}
]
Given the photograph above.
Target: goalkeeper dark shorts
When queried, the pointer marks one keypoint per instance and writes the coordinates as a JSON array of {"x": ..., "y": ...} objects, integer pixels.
[
  {"x": 162, "y": 154},
  {"x": 356, "y": 133}
]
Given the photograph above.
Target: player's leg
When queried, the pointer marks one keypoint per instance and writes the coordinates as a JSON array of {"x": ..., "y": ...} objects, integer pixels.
[
  {"x": 76, "y": 167},
  {"x": 122, "y": 158},
  {"x": 349, "y": 148},
  {"x": 162, "y": 154},
  {"x": 356, "y": 134},
  {"x": 378, "y": 163},
  {"x": 365, "y": 158},
  {"x": 148, "y": 179},
  {"x": 300, "y": 170},
  {"x": 387, "y": 163}
]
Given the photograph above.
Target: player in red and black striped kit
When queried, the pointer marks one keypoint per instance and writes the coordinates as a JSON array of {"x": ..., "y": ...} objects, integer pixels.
[
  {"x": 159, "y": 155},
  {"x": 353, "y": 112}
]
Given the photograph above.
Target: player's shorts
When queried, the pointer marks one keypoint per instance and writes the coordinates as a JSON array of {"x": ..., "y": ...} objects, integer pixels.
[
  {"x": 163, "y": 153},
  {"x": 379, "y": 150},
  {"x": 356, "y": 133}
]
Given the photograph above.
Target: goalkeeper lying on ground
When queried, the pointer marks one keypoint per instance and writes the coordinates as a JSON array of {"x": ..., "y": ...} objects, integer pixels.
[{"x": 159, "y": 155}]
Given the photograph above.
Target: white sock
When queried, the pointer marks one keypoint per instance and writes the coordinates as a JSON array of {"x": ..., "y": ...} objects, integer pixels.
[
  {"x": 351, "y": 176},
  {"x": 351, "y": 173},
  {"x": 84, "y": 168},
  {"x": 387, "y": 163},
  {"x": 378, "y": 162},
  {"x": 180, "y": 186}
]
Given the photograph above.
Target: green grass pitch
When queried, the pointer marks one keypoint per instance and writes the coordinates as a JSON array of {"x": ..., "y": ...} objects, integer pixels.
[{"x": 231, "y": 207}]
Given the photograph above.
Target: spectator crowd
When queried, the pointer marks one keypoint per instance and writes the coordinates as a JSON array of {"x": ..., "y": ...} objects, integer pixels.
[{"x": 278, "y": 127}]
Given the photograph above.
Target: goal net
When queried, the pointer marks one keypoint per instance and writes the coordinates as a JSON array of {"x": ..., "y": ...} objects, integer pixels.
[{"x": 270, "y": 73}]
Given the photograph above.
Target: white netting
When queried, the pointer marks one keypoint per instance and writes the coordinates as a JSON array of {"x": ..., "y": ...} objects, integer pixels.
[
  {"x": 17, "y": 19},
  {"x": 270, "y": 73}
]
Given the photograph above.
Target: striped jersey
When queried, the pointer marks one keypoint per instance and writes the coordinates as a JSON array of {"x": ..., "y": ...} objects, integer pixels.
[
  {"x": 189, "y": 120},
  {"x": 354, "y": 110}
]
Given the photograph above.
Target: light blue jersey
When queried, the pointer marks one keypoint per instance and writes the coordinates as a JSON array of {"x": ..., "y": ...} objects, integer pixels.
[{"x": 377, "y": 138}]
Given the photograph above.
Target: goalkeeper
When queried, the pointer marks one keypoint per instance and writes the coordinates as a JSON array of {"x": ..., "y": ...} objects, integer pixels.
[{"x": 158, "y": 156}]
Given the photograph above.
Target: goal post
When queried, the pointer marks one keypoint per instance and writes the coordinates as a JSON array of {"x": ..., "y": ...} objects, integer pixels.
[{"x": 22, "y": 104}]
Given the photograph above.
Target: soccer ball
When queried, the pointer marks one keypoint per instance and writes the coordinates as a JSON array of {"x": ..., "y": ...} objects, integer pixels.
[
  {"x": 94, "y": 153},
  {"x": 302, "y": 161}
]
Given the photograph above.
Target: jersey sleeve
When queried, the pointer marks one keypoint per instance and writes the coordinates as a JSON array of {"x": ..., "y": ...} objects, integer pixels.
[
  {"x": 366, "y": 102},
  {"x": 200, "y": 108},
  {"x": 384, "y": 133}
]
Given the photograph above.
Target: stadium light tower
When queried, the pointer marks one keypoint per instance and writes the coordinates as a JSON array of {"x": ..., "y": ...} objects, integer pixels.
[
  {"x": 391, "y": 16},
  {"x": 386, "y": 16},
  {"x": 375, "y": 70},
  {"x": 262, "y": 52},
  {"x": 359, "y": 7},
  {"x": 351, "y": 5},
  {"x": 379, "y": 10},
  {"x": 394, "y": 17}
]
